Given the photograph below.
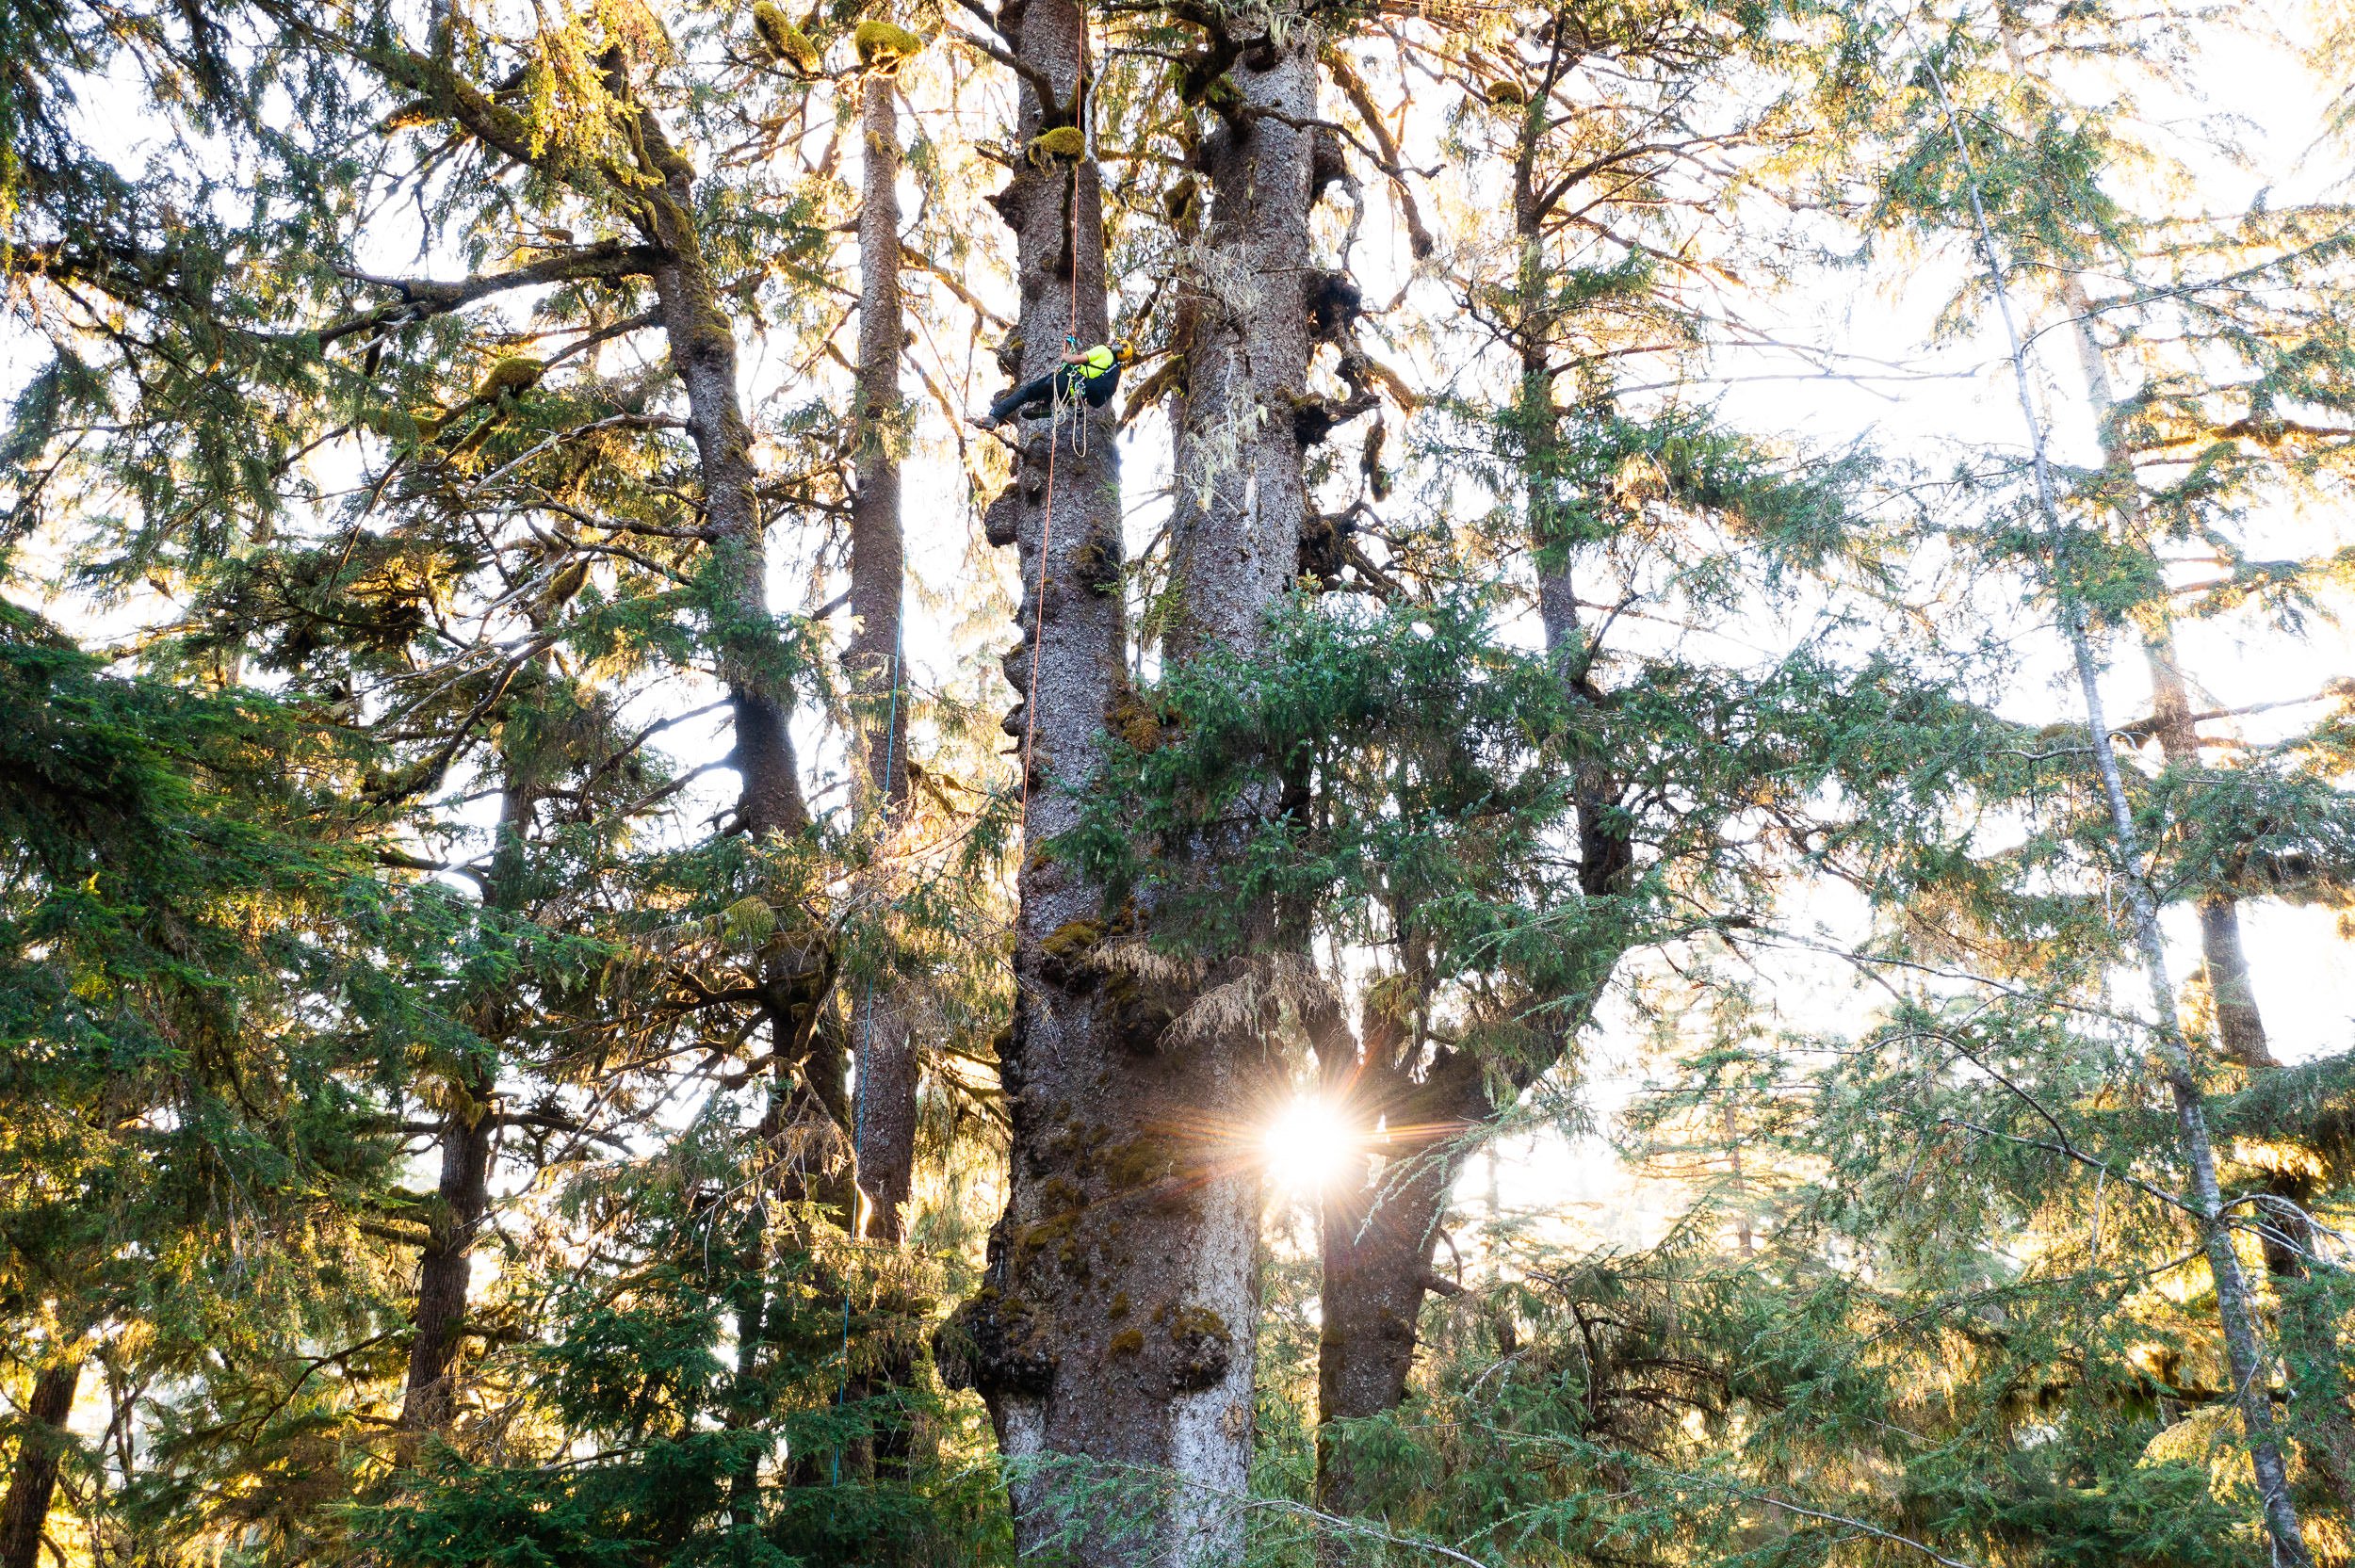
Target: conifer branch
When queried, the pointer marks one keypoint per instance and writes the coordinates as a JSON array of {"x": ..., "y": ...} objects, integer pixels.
[{"x": 422, "y": 298}]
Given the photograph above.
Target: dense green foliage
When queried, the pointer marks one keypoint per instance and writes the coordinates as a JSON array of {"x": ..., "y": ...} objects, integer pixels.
[{"x": 429, "y": 1119}]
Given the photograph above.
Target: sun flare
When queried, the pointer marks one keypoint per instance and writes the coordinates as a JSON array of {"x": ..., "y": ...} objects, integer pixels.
[{"x": 1308, "y": 1145}]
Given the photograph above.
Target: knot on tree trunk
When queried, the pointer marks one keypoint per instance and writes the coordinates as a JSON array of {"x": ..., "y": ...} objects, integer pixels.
[{"x": 991, "y": 1346}]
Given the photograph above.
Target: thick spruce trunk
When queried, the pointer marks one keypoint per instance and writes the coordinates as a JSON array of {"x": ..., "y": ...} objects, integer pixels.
[
  {"x": 885, "y": 1114},
  {"x": 1243, "y": 421},
  {"x": 40, "y": 1455},
  {"x": 1241, "y": 496},
  {"x": 1112, "y": 1337}
]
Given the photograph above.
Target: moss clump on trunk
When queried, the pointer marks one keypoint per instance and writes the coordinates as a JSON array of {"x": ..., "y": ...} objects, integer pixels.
[
  {"x": 881, "y": 45},
  {"x": 1064, "y": 141},
  {"x": 782, "y": 40}
]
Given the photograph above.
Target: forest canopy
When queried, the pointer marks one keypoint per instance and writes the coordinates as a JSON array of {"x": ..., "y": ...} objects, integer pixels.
[{"x": 1183, "y": 782}]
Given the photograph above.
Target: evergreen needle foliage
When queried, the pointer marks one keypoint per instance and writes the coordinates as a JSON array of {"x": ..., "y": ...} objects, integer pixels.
[{"x": 1474, "y": 925}]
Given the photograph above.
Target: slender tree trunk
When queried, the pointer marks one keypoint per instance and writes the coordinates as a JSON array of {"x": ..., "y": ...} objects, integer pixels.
[
  {"x": 883, "y": 1042},
  {"x": 1744, "y": 1245},
  {"x": 2234, "y": 1316},
  {"x": 2234, "y": 1313},
  {"x": 877, "y": 550},
  {"x": 1378, "y": 1239},
  {"x": 1111, "y": 1338},
  {"x": 2240, "y": 1027},
  {"x": 462, "y": 1195},
  {"x": 39, "y": 1457},
  {"x": 884, "y": 1113},
  {"x": 429, "y": 1402},
  {"x": 703, "y": 351},
  {"x": 2319, "y": 1400}
]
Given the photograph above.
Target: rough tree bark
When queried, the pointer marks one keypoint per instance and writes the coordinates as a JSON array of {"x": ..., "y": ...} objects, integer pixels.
[
  {"x": 1255, "y": 307},
  {"x": 884, "y": 1112},
  {"x": 1243, "y": 415},
  {"x": 1111, "y": 1332},
  {"x": 657, "y": 196},
  {"x": 1376, "y": 1238},
  {"x": 703, "y": 351},
  {"x": 40, "y": 1455}
]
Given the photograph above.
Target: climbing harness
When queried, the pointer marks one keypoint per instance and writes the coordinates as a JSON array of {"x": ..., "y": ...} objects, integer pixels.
[
  {"x": 1089, "y": 374},
  {"x": 1074, "y": 383}
]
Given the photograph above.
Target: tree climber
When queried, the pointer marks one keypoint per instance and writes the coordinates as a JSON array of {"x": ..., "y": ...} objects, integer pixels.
[{"x": 1092, "y": 374}]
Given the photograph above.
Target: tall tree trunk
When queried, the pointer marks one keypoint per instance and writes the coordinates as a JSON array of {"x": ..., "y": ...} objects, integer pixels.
[
  {"x": 2240, "y": 1027},
  {"x": 1241, "y": 496},
  {"x": 658, "y": 197},
  {"x": 39, "y": 1457},
  {"x": 1244, "y": 421},
  {"x": 1113, "y": 1331},
  {"x": 2320, "y": 1410},
  {"x": 462, "y": 1195},
  {"x": 884, "y": 1112},
  {"x": 2236, "y": 1317},
  {"x": 2235, "y": 1314},
  {"x": 703, "y": 351},
  {"x": 1377, "y": 1237},
  {"x": 445, "y": 1269}
]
